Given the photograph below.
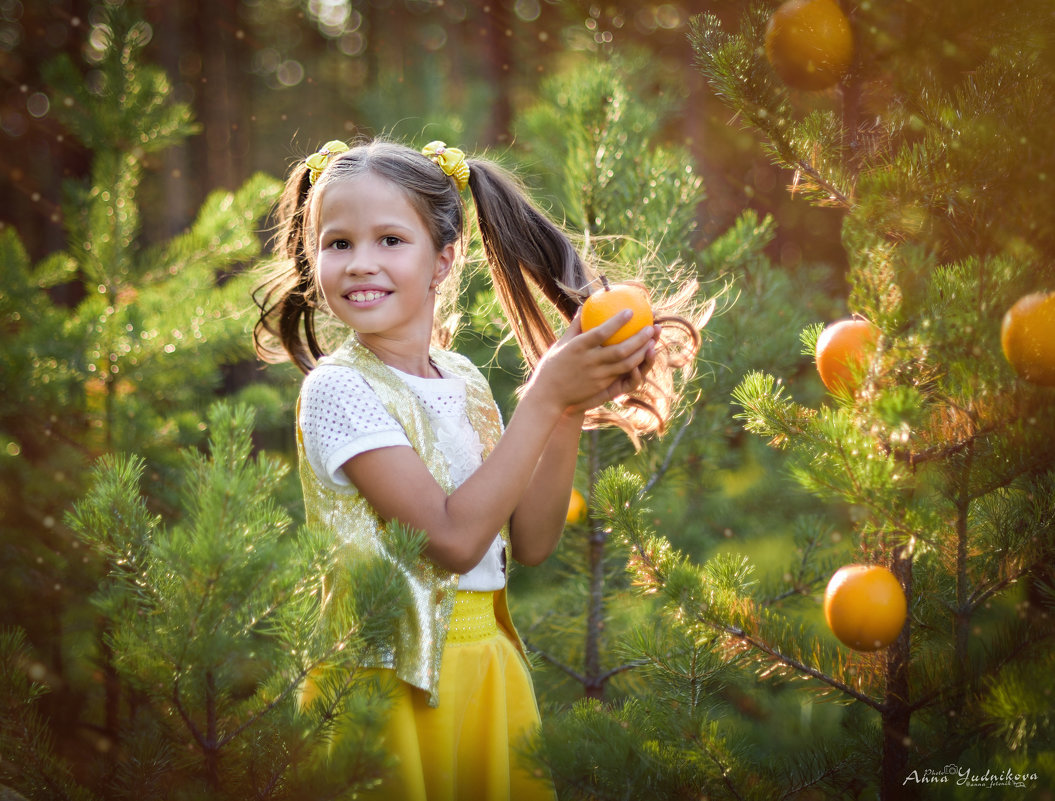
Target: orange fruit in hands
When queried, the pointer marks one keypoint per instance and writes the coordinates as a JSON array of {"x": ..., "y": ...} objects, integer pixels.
[
  {"x": 842, "y": 348},
  {"x": 809, "y": 43},
  {"x": 865, "y": 606},
  {"x": 576, "y": 507},
  {"x": 612, "y": 299},
  {"x": 1027, "y": 336}
]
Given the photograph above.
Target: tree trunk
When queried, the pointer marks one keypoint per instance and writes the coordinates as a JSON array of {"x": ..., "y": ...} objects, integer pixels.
[
  {"x": 175, "y": 52},
  {"x": 211, "y": 751},
  {"x": 223, "y": 93},
  {"x": 896, "y": 709},
  {"x": 497, "y": 48},
  {"x": 595, "y": 559}
]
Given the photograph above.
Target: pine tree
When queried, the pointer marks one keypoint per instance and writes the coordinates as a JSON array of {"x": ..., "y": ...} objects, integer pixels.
[
  {"x": 636, "y": 197},
  {"x": 936, "y": 146},
  {"x": 214, "y": 624},
  {"x": 632, "y": 198},
  {"x": 114, "y": 344}
]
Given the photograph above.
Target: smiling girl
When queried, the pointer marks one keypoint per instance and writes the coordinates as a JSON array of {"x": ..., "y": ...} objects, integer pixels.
[{"x": 393, "y": 427}]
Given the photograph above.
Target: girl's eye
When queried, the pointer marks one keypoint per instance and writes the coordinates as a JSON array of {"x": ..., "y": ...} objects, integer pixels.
[
  {"x": 339, "y": 244},
  {"x": 391, "y": 241}
]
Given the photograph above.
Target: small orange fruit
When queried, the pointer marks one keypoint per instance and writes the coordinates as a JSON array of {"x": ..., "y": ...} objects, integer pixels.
[
  {"x": 809, "y": 43},
  {"x": 865, "y": 606},
  {"x": 1027, "y": 336},
  {"x": 576, "y": 507},
  {"x": 843, "y": 348},
  {"x": 611, "y": 300}
]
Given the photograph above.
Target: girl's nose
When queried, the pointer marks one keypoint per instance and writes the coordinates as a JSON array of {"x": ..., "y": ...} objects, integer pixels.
[{"x": 359, "y": 263}]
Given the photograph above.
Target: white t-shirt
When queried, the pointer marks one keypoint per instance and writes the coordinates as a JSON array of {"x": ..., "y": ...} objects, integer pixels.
[{"x": 341, "y": 417}]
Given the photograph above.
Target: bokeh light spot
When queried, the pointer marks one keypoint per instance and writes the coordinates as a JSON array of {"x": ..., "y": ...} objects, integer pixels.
[
  {"x": 527, "y": 10},
  {"x": 290, "y": 72}
]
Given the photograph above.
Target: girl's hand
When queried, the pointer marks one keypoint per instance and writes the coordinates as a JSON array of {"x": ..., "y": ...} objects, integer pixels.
[{"x": 580, "y": 372}]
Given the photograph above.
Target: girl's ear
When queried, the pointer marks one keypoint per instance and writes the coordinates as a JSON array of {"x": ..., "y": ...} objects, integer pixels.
[{"x": 444, "y": 262}]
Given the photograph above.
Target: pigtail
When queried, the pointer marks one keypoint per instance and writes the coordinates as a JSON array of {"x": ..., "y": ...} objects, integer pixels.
[
  {"x": 287, "y": 297},
  {"x": 524, "y": 247}
]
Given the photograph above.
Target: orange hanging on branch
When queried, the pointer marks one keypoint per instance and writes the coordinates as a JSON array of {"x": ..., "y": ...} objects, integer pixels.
[
  {"x": 576, "y": 507},
  {"x": 810, "y": 43},
  {"x": 1027, "y": 337},
  {"x": 844, "y": 348},
  {"x": 865, "y": 606}
]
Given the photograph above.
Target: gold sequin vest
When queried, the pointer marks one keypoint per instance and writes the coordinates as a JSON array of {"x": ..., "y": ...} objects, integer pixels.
[{"x": 416, "y": 652}]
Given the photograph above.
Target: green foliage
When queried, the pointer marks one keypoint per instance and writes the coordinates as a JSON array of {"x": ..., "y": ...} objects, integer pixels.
[
  {"x": 617, "y": 181},
  {"x": 144, "y": 120},
  {"x": 707, "y": 482},
  {"x": 632, "y": 195},
  {"x": 28, "y": 760},
  {"x": 943, "y": 453},
  {"x": 708, "y": 621},
  {"x": 214, "y": 624},
  {"x": 153, "y": 323},
  {"x": 637, "y": 750},
  {"x": 124, "y": 364},
  {"x": 736, "y": 67},
  {"x": 112, "y": 346}
]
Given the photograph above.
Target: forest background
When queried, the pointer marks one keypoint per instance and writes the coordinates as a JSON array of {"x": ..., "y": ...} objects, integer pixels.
[{"x": 539, "y": 85}]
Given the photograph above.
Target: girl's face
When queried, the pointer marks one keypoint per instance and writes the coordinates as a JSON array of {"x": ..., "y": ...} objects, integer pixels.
[{"x": 376, "y": 263}]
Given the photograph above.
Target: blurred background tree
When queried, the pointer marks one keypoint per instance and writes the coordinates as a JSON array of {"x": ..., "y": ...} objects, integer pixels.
[
  {"x": 112, "y": 344},
  {"x": 269, "y": 81}
]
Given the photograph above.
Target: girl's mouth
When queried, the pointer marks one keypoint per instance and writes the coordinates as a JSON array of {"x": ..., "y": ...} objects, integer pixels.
[{"x": 366, "y": 295}]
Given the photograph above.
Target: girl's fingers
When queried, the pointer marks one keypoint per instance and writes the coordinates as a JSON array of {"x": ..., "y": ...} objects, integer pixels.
[
  {"x": 596, "y": 336},
  {"x": 582, "y": 365},
  {"x": 622, "y": 355},
  {"x": 649, "y": 360},
  {"x": 575, "y": 326},
  {"x": 630, "y": 353}
]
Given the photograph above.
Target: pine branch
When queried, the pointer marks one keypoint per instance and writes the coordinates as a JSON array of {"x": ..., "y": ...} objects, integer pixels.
[
  {"x": 800, "y": 585},
  {"x": 668, "y": 458},
  {"x": 187, "y": 721},
  {"x": 723, "y": 771},
  {"x": 579, "y": 678},
  {"x": 847, "y": 464},
  {"x": 604, "y": 677},
  {"x": 980, "y": 595},
  {"x": 833, "y": 192},
  {"x": 292, "y": 685},
  {"x": 646, "y": 561},
  {"x": 802, "y": 667},
  {"x": 830, "y": 771}
]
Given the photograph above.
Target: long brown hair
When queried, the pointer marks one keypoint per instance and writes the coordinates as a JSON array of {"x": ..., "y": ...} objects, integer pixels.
[{"x": 527, "y": 255}]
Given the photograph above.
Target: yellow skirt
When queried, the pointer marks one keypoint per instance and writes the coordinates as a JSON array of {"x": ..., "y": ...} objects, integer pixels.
[{"x": 466, "y": 748}]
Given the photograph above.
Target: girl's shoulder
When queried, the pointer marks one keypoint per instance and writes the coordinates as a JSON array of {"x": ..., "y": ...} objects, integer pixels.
[
  {"x": 455, "y": 364},
  {"x": 325, "y": 379},
  {"x": 336, "y": 391}
]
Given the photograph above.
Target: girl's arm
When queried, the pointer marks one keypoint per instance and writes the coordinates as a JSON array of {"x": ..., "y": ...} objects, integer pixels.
[
  {"x": 578, "y": 372},
  {"x": 538, "y": 521},
  {"x": 542, "y": 513}
]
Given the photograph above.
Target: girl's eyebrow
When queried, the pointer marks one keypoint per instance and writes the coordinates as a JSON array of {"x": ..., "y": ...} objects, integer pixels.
[{"x": 392, "y": 225}]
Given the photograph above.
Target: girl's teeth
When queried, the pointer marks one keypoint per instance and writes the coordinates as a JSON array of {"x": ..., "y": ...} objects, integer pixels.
[{"x": 363, "y": 297}]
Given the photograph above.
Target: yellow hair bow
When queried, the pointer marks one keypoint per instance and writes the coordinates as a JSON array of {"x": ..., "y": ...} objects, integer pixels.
[
  {"x": 317, "y": 162},
  {"x": 451, "y": 160}
]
